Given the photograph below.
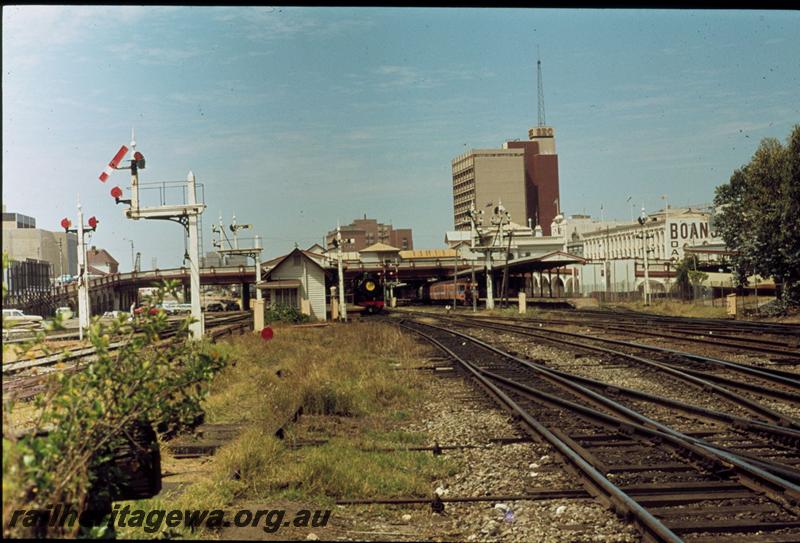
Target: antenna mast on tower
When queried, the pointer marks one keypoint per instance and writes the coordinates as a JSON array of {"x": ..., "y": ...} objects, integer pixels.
[{"x": 542, "y": 121}]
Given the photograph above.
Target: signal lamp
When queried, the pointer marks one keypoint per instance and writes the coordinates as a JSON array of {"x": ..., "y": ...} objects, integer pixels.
[
  {"x": 65, "y": 223},
  {"x": 116, "y": 193},
  {"x": 93, "y": 223}
]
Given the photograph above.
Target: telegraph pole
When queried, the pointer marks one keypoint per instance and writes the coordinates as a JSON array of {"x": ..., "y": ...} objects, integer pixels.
[{"x": 342, "y": 302}]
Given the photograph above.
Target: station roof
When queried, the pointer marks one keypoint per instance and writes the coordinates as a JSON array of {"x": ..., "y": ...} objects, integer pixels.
[
  {"x": 379, "y": 248},
  {"x": 275, "y": 263},
  {"x": 428, "y": 253},
  {"x": 555, "y": 259},
  {"x": 457, "y": 235}
]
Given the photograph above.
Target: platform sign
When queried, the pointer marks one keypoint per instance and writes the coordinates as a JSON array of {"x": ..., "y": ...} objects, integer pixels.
[{"x": 682, "y": 233}]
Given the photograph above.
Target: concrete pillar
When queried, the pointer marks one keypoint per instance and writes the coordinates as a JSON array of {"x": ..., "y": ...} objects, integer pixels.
[
  {"x": 258, "y": 315},
  {"x": 523, "y": 303},
  {"x": 334, "y": 305}
]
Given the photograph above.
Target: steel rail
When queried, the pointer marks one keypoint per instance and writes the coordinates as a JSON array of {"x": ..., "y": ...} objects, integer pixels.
[
  {"x": 598, "y": 485},
  {"x": 776, "y": 375},
  {"x": 784, "y": 378},
  {"x": 695, "y": 451},
  {"x": 696, "y": 335},
  {"x": 764, "y": 481},
  {"x": 730, "y": 395},
  {"x": 48, "y": 360},
  {"x": 28, "y": 387},
  {"x": 744, "y": 325}
]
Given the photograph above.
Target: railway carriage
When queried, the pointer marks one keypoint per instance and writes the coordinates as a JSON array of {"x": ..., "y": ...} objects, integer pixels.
[{"x": 442, "y": 292}]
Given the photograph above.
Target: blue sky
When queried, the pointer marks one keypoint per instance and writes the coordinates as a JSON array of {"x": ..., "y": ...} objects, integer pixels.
[{"x": 293, "y": 118}]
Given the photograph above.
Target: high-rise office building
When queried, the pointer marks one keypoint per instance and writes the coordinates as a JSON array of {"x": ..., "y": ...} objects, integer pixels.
[{"x": 523, "y": 175}]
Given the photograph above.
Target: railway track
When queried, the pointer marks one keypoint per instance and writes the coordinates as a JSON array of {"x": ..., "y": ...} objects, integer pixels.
[
  {"x": 723, "y": 423},
  {"x": 634, "y": 317},
  {"x": 769, "y": 394},
  {"x": 24, "y": 387},
  {"x": 777, "y": 340},
  {"x": 674, "y": 486}
]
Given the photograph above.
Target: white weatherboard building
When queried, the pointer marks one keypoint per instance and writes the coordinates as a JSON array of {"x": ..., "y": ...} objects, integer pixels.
[{"x": 296, "y": 280}]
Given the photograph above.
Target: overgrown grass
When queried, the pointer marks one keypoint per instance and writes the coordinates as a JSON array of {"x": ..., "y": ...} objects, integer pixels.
[{"x": 349, "y": 372}]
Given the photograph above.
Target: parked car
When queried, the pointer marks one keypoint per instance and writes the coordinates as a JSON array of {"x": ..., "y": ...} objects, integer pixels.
[
  {"x": 15, "y": 317},
  {"x": 215, "y": 307},
  {"x": 170, "y": 307},
  {"x": 116, "y": 314},
  {"x": 184, "y": 308},
  {"x": 232, "y": 306},
  {"x": 64, "y": 312}
]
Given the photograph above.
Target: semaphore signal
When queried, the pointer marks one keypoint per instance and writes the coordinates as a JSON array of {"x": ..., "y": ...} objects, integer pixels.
[{"x": 112, "y": 165}]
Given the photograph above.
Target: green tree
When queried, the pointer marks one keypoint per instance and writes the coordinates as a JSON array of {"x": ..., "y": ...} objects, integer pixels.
[
  {"x": 759, "y": 215},
  {"x": 683, "y": 282}
]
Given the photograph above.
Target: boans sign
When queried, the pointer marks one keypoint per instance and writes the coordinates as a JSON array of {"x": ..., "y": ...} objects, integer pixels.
[{"x": 686, "y": 233}]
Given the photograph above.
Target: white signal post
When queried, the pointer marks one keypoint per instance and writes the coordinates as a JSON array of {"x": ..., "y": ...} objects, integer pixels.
[
  {"x": 498, "y": 219},
  {"x": 185, "y": 214},
  {"x": 84, "y": 307}
]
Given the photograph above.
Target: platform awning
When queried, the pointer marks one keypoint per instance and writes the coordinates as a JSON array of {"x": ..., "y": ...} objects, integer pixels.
[{"x": 281, "y": 284}]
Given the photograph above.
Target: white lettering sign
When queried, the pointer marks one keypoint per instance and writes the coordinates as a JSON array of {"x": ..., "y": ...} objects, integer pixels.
[{"x": 683, "y": 233}]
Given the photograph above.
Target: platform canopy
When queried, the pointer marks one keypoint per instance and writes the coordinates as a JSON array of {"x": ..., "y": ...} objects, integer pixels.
[
  {"x": 556, "y": 259},
  {"x": 542, "y": 263}
]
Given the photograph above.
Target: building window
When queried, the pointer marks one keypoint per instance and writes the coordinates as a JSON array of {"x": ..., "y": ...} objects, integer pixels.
[{"x": 285, "y": 296}]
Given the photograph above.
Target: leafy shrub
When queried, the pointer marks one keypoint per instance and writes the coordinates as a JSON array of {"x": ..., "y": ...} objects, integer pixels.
[
  {"x": 86, "y": 413},
  {"x": 285, "y": 313}
]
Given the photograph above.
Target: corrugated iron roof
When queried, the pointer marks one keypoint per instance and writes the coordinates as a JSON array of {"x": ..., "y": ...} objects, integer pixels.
[{"x": 429, "y": 253}]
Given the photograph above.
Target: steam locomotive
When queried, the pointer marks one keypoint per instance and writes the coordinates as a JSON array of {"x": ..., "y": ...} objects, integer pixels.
[{"x": 368, "y": 292}]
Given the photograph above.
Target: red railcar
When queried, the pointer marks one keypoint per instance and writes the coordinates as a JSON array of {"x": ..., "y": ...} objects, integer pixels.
[{"x": 447, "y": 291}]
